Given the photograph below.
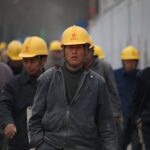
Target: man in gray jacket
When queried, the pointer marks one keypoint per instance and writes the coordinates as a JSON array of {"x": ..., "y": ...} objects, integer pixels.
[
  {"x": 95, "y": 61},
  {"x": 104, "y": 69},
  {"x": 72, "y": 110}
]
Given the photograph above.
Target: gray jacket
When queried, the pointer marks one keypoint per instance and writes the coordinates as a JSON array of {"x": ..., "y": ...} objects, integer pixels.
[
  {"x": 86, "y": 123},
  {"x": 5, "y": 74},
  {"x": 105, "y": 70}
]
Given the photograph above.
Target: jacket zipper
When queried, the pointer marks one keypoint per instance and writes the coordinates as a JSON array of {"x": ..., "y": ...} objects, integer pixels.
[
  {"x": 82, "y": 80},
  {"x": 69, "y": 105}
]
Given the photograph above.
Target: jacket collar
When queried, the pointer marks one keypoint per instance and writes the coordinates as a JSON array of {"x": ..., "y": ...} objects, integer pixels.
[
  {"x": 59, "y": 69},
  {"x": 25, "y": 77}
]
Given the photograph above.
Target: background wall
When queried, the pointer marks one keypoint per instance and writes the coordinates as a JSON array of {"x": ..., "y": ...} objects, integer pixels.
[
  {"x": 47, "y": 18},
  {"x": 121, "y": 23}
]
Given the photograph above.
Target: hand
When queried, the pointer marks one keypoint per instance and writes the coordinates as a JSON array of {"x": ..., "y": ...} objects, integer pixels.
[
  {"x": 139, "y": 125},
  {"x": 10, "y": 131},
  {"x": 117, "y": 120}
]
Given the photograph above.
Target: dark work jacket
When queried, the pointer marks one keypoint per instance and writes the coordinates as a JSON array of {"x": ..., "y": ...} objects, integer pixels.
[
  {"x": 16, "y": 96},
  {"x": 126, "y": 83},
  {"x": 141, "y": 100},
  {"x": 81, "y": 125},
  {"x": 16, "y": 70}
]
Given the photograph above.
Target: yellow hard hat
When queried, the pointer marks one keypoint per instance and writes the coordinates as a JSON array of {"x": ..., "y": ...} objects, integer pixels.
[
  {"x": 130, "y": 53},
  {"x": 91, "y": 42},
  {"x": 98, "y": 52},
  {"x": 34, "y": 46},
  {"x": 75, "y": 35},
  {"x": 13, "y": 50},
  {"x": 2, "y": 45},
  {"x": 55, "y": 46}
]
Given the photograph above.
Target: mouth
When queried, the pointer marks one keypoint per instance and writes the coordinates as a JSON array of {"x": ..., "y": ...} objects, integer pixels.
[{"x": 74, "y": 57}]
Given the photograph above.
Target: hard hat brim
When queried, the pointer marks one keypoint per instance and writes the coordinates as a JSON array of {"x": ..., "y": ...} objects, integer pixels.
[
  {"x": 73, "y": 43},
  {"x": 16, "y": 58},
  {"x": 31, "y": 55}
]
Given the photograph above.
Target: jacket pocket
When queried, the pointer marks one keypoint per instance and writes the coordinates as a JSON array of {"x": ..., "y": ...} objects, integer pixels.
[{"x": 52, "y": 142}]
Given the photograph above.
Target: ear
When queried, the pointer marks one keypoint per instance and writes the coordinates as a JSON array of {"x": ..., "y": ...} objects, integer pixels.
[
  {"x": 63, "y": 52},
  {"x": 43, "y": 61}
]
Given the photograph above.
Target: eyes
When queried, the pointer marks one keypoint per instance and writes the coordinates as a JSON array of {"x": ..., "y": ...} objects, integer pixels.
[
  {"x": 74, "y": 47},
  {"x": 31, "y": 60}
]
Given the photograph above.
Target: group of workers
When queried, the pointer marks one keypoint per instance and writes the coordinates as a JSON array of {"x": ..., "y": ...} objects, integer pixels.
[{"x": 70, "y": 98}]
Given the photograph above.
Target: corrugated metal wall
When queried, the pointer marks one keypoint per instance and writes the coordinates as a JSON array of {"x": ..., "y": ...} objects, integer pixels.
[{"x": 126, "y": 23}]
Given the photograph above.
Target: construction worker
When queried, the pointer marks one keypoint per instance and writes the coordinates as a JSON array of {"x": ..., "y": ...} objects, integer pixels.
[
  {"x": 14, "y": 60},
  {"x": 95, "y": 61},
  {"x": 2, "y": 45},
  {"x": 55, "y": 56},
  {"x": 3, "y": 56},
  {"x": 5, "y": 75},
  {"x": 72, "y": 110},
  {"x": 141, "y": 107},
  {"x": 19, "y": 92},
  {"x": 98, "y": 52},
  {"x": 126, "y": 81}
]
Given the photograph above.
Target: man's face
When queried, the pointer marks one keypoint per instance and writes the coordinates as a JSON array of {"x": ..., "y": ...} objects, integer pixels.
[
  {"x": 33, "y": 65},
  {"x": 74, "y": 55},
  {"x": 130, "y": 65},
  {"x": 56, "y": 54}
]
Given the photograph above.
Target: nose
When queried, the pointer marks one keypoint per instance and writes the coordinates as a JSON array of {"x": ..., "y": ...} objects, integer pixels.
[
  {"x": 74, "y": 50},
  {"x": 27, "y": 64}
]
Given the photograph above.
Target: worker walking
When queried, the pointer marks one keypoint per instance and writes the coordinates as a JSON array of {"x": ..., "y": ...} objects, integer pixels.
[
  {"x": 141, "y": 107},
  {"x": 95, "y": 61},
  {"x": 72, "y": 110},
  {"x": 18, "y": 94},
  {"x": 5, "y": 75},
  {"x": 55, "y": 56},
  {"x": 14, "y": 60},
  {"x": 3, "y": 46},
  {"x": 126, "y": 82},
  {"x": 98, "y": 52}
]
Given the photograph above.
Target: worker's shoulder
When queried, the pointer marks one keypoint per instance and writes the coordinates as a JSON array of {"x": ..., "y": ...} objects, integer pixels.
[
  {"x": 144, "y": 74},
  {"x": 105, "y": 66},
  {"x": 118, "y": 71},
  {"x": 47, "y": 74},
  {"x": 16, "y": 80},
  {"x": 3, "y": 65},
  {"x": 104, "y": 62},
  {"x": 93, "y": 74}
]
